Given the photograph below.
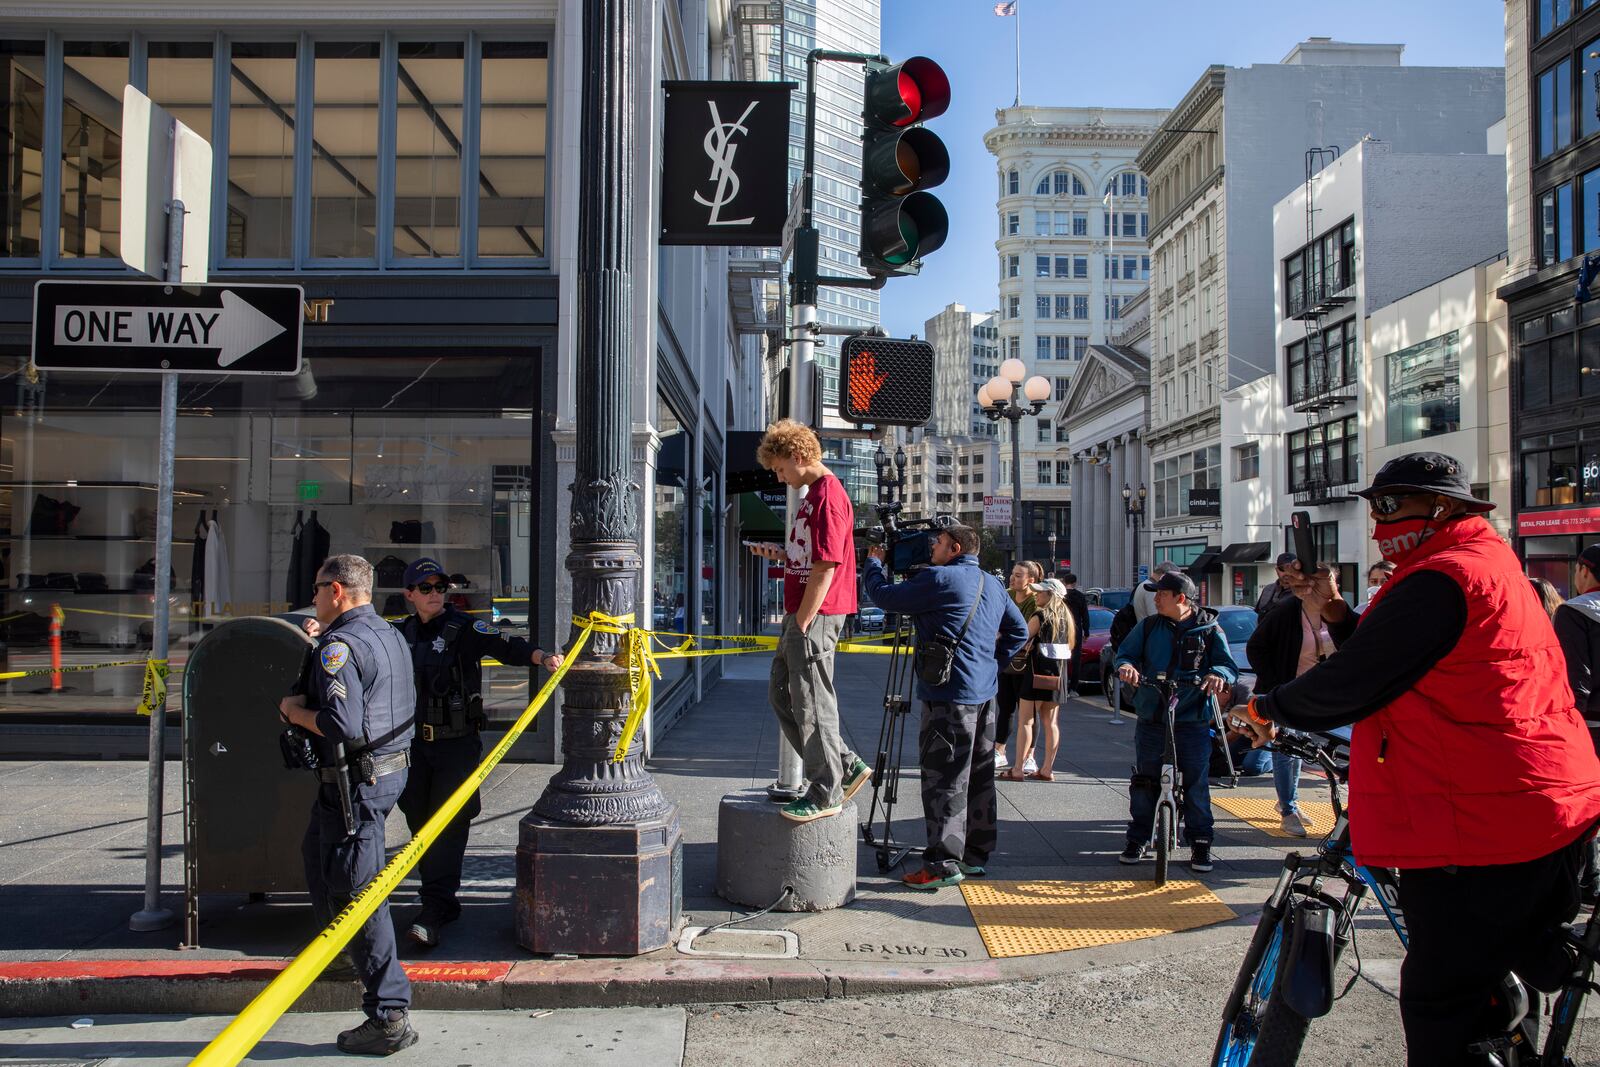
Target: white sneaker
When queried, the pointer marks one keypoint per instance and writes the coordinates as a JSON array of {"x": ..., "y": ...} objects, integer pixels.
[
  {"x": 1030, "y": 767},
  {"x": 1000, "y": 761},
  {"x": 1293, "y": 824}
]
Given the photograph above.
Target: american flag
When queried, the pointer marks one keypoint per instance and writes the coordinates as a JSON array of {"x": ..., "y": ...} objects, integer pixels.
[{"x": 1007, "y": 7}]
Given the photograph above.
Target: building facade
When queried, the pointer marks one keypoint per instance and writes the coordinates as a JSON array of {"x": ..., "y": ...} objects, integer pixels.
[
  {"x": 1362, "y": 231},
  {"x": 1073, "y": 223},
  {"x": 1553, "y": 221},
  {"x": 1232, "y": 147},
  {"x": 418, "y": 178}
]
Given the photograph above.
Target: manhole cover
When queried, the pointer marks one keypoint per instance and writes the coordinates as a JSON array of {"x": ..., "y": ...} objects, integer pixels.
[{"x": 733, "y": 944}]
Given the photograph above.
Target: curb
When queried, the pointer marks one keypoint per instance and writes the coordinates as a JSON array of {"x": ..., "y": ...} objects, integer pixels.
[{"x": 227, "y": 986}]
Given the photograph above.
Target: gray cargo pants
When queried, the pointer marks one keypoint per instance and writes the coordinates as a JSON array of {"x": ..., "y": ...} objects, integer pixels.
[
  {"x": 802, "y": 696},
  {"x": 956, "y": 744}
]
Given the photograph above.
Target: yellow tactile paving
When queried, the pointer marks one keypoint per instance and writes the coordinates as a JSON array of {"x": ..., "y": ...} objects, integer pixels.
[
  {"x": 1035, "y": 918},
  {"x": 1262, "y": 813}
]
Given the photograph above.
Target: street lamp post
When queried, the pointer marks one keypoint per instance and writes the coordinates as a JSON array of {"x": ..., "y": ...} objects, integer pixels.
[
  {"x": 1051, "y": 537},
  {"x": 997, "y": 403},
  {"x": 1133, "y": 515},
  {"x": 599, "y": 858}
]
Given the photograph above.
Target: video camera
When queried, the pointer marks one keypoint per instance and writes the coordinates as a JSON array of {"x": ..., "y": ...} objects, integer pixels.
[{"x": 909, "y": 543}]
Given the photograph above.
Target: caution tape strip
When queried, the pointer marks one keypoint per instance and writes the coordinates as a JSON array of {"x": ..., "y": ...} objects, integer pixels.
[
  {"x": 241, "y": 1035},
  {"x": 70, "y": 667},
  {"x": 155, "y": 687}
]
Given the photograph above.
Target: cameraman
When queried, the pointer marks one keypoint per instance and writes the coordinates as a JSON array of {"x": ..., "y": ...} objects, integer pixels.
[{"x": 953, "y": 599}]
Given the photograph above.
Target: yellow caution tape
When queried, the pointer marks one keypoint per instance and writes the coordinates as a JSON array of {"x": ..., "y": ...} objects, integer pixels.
[
  {"x": 37, "y": 671},
  {"x": 155, "y": 686},
  {"x": 241, "y": 1035}
]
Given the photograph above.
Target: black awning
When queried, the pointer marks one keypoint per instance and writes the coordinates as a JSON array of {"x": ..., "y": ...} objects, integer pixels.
[
  {"x": 744, "y": 473},
  {"x": 1246, "y": 552},
  {"x": 1206, "y": 562}
]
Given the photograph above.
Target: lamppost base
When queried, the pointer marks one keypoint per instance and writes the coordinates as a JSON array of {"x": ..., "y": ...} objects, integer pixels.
[
  {"x": 779, "y": 793},
  {"x": 144, "y": 921},
  {"x": 599, "y": 890},
  {"x": 760, "y": 854}
]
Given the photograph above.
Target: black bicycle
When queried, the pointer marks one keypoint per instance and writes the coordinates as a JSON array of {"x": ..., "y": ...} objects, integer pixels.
[{"x": 1288, "y": 974}]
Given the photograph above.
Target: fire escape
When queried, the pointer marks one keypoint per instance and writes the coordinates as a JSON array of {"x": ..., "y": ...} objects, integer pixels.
[{"x": 1328, "y": 285}]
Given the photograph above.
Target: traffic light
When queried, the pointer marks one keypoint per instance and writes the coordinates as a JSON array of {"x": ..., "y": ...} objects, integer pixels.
[
  {"x": 900, "y": 159},
  {"x": 885, "y": 382}
]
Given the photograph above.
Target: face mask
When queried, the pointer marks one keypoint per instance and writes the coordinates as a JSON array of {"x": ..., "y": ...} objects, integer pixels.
[
  {"x": 1372, "y": 591},
  {"x": 1399, "y": 538}
]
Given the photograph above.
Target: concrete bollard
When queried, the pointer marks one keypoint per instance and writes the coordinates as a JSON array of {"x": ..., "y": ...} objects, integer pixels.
[{"x": 759, "y": 852}]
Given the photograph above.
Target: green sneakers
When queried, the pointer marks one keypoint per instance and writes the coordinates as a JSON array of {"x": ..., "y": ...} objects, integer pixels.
[
  {"x": 972, "y": 870},
  {"x": 860, "y": 774},
  {"x": 929, "y": 881},
  {"x": 807, "y": 810}
]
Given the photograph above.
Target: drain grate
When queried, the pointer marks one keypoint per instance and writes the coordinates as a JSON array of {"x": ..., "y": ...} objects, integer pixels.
[
  {"x": 1035, "y": 918},
  {"x": 733, "y": 944}
]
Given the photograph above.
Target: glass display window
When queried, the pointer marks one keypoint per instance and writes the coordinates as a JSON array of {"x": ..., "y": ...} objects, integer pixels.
[{"x": 669, "y": 582}]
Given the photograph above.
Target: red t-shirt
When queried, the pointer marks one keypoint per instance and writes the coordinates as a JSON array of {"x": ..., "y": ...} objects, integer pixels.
[{"x": 824, "y": 530}]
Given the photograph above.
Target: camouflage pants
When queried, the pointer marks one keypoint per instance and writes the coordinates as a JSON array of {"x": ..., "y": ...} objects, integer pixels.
[{"x": 956, "y": 743}]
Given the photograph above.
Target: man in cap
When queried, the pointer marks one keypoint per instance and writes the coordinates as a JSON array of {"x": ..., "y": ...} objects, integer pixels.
[
  {"x": 1184, "y": 642},
  {"x": 1578, "y": 629},
  {"x": 1470, "y": 770},
  {"x": 1280, "y": 591},
  {"x": 446, "y": 647}
]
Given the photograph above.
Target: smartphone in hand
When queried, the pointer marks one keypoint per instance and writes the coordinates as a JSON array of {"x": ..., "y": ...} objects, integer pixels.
[{"x": 1305, "y": 547}]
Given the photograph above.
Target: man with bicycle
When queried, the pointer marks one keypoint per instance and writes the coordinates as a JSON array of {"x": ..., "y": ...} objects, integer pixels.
[
  {"x": 1183, "y": 642},
  {"x": 1470, "y": 770}
]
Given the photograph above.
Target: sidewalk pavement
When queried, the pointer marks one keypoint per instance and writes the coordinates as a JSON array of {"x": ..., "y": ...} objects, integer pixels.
[{"x": 71, "y": 863}]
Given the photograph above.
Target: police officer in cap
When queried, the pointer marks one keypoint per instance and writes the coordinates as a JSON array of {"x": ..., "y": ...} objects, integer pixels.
[
  {"x": 446, "y": 647},
  {"x": 357, "y": 701}
]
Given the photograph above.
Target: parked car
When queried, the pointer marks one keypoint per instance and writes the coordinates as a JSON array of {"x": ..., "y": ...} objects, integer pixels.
[
  {"x": 869, "y": 620},
  {"x": 1114, "y": 599},
  {"x": 1094, "y": 647}
]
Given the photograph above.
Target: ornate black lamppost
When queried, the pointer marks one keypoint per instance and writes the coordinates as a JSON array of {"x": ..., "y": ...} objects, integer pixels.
[
  {"x": 599, "y": 856},
  {"x": 997, "y": 403}
]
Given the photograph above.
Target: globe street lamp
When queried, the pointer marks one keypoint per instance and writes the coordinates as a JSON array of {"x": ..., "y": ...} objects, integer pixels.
[
  {"x": 1133, "y": 514},
  {"x": 997, "y": 403}
]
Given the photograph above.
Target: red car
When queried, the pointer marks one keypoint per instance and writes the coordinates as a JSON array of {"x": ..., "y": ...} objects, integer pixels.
[{"x": 1094, "y": 646}]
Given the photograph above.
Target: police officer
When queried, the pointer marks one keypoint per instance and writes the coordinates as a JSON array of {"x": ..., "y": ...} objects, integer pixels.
[
  {"x": 357, "y": 700},
  {"x": 446, "y": 647}
]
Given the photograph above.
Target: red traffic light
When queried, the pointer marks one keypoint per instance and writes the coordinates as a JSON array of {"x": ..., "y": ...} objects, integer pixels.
[
  {"x": 885, "y": 382},
  {"x": 906, "y": 93}
]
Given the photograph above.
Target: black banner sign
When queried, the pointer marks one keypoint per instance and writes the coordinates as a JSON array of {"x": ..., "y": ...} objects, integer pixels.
[
  {"x": 726, "y": 170},
  {"x": 1206, "y": 502}
]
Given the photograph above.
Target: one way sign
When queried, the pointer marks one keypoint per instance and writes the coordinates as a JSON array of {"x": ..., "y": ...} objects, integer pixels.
[{"x": 117, "y": 327}]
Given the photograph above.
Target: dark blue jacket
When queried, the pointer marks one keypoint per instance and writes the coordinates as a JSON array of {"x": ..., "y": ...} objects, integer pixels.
[
  {"x": 361, "y": 685},
  {"x": 1148, "y": 647},
  {"x": 937, "y": 599}
]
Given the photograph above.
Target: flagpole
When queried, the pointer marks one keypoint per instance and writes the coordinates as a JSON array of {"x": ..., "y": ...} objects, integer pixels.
[{"x": 1018, "y": 101}]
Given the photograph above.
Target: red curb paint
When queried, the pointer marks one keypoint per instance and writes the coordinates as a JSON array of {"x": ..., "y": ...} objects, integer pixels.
[{"x": 227, "y": 970}]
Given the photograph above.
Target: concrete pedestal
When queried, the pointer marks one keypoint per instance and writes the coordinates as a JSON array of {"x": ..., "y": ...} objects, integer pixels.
[{"x": 759, "y": 852}]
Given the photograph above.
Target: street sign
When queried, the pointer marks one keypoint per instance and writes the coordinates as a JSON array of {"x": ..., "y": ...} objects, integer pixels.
[
  {"x": 791, "y": 222},
  {"x": 1143, "y": 574},
  {"x": 997, "y": 511},
  {"x": 163, "y": 160},
  {"x": 149, "y": 327}
]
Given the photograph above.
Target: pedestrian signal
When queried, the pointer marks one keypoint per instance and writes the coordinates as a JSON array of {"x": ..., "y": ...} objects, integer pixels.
[
  {"x": 885, "y": 382},
  {"x": 900, "y": 160}
]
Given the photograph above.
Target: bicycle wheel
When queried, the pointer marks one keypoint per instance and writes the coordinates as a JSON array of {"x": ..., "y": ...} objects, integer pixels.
[
  {"x": 1165, "y": 838},
  {"x": 1241, "y": 1016},
  {"x": 1283, "y": 1032}
]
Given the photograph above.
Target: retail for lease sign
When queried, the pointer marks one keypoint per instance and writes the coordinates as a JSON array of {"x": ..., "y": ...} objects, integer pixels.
[{"x": 1564, "y": 521}]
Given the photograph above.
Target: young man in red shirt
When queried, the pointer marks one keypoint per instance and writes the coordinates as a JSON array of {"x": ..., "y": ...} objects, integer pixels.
[{"x": 819, "y": 593}]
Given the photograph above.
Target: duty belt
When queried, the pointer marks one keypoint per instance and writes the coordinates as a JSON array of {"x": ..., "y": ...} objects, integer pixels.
[
  {"x": 442, "y": 732},
  {"x": 381, "y": 765}
]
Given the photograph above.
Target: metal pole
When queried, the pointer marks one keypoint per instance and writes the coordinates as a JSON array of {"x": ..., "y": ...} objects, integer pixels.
[
  {"x": 791, "y": 768},
  {"x": 1015, "y": 415},
  {"x": 153, "y": 916}
]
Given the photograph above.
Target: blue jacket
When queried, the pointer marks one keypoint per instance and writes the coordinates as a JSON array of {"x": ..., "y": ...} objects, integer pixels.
[
  {"x": 1149, "y": 646},
  {"x": 361, "y": 686},
  {"x": 937, "y": 599}
]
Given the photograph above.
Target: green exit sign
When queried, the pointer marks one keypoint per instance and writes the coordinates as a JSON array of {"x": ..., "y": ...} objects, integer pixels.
[{"x": 310, "y": 491}]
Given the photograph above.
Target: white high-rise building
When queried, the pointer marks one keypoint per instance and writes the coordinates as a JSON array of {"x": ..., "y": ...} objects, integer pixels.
[{"x": 1073, "y": 224}]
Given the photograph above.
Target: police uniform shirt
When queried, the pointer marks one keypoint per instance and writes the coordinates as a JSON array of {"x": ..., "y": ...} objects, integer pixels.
[
  {"x": 361, "y": 684},
  {"x": 475, "y": 639}
]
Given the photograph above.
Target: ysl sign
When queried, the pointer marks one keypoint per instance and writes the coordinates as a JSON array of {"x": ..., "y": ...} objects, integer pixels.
[{"x": 726, "y": 166}]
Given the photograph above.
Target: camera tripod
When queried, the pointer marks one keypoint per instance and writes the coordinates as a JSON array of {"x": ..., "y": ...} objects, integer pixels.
[{"x": 891, "y": 754}]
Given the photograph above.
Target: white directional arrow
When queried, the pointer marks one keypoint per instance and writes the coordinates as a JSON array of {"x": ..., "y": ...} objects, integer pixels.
[{"x": 234, "y": 330}]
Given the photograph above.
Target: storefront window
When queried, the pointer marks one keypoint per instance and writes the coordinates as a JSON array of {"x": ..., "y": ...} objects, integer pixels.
[
  {"x": 511, "y": 151},
  {"x": 1425, "y": 389},
  {"x": 710, "y": 548},
  {"x": 427, "y": 165},
  {"x": 22, "y": 116},
  {"x": 269, "y": 473},
  {"x": 261, "y": 151},
  {"x": 91, "y": 148},
  {"x": 1550, "y": 479},
  {"x": 344, "y": 149},
  {"x": 178, "y": 77},
  {"x": 669, "y": 590}
]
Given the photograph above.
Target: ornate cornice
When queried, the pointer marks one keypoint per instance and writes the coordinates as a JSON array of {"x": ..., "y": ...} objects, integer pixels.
[{"x": 1199, "y": 99}]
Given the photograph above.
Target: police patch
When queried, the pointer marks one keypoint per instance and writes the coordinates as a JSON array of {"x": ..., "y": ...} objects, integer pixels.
[
  {"x": 334, "y": 655},
  {"x": 484, "y": 628}
]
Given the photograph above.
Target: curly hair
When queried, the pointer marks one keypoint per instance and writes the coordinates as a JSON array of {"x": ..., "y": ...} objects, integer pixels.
[{"x": 789, "y": 439}]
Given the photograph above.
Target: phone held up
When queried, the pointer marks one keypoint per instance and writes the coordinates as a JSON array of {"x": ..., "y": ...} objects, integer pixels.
[{"x": 1305, "y": 546}]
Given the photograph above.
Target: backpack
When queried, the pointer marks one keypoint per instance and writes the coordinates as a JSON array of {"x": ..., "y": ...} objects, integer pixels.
[{"x": 1122, "y": 624}]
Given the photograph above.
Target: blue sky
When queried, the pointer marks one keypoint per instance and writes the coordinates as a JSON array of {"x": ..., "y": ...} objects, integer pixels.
[{"x": 1146, "y": 54}]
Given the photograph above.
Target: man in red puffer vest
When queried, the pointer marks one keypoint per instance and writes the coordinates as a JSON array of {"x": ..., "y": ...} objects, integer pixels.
[{"x": 1470, "y": 769}]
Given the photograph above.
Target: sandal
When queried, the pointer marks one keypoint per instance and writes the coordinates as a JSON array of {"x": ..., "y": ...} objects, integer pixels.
[
  {"x": 1011, "y": 776},
  {"x": 1041, "y": 776}
]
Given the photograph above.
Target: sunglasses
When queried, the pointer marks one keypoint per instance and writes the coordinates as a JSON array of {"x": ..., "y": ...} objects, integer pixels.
[
  {"x": 1388, "y": 503},
  {"x": 430, "y": 587},
  {"x": 317, "y": 587}
]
